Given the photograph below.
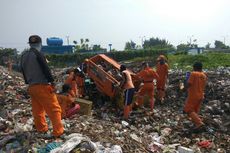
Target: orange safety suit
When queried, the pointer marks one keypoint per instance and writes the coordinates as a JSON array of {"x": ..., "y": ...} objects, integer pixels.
[
  {"x": 44, "y": 101},
  {"x": 9, "y": 64},
  {"x": 162, "y": 71},
  {"x": 65, "y": 102},
  {"x": 80, "y": 85},
  {"x": 196, "y": 86},
  {"x": 72, "y": 82},
  {"x": 129, "y": 92},
  {"x": 147, "y": 76}
]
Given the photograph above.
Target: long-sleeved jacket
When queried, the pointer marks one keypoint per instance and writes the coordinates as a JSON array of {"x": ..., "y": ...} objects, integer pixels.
[{"x": 34, "y": 68}]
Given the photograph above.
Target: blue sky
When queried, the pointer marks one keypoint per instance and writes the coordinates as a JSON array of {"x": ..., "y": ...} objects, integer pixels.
[{"x": 114, "y": 21}]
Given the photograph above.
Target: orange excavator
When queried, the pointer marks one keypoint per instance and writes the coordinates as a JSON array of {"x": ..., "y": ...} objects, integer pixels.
[{"x": 104, "y": 72}]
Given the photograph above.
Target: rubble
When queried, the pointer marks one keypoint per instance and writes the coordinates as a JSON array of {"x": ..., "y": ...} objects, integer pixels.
[{"x": 166, "y": 130}]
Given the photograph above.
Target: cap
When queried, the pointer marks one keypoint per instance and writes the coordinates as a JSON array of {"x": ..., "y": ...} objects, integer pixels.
[{"x": 35, "y": 39}]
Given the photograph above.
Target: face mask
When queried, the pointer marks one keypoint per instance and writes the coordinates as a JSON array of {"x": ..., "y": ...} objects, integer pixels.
[
  {"x": 38, "y": 47},
  {"x": 162, "y": 62}
]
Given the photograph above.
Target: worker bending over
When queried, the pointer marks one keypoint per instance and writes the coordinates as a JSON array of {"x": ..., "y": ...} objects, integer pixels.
[
  {"x": 162, "y": 71},
  {"x": 146, "y": 75},
  {"x": 71, "y": 80},
  {"x": 66, "y": 102},
  {"x": 127, "y": 84},
  {"x": 41, "y": 88},
  {"x": 196, "y": 85}
]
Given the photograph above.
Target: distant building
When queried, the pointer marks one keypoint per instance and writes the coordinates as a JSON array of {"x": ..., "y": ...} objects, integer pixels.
[
  {"x": 195, "y": 51},
  {"x": 55, "y": 46}
]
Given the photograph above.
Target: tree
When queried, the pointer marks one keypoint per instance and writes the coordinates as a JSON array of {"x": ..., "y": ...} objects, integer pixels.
[
  {"x": 156, "y": 43},
  {"x": 6, "y": 53},
  {"x": 219, "y": 44},
  {"x": 183, "y": 47},
  {"x": 130, "y": 45},
  {"x": 96, "y": 47},
  {"x": 207, "y": 46}
]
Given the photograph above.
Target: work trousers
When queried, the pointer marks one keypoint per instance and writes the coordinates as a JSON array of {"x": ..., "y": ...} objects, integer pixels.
[{"x": 44, "y": 101}]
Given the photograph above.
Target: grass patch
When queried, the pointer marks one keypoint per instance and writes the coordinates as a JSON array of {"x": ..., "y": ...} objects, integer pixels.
[{"x": 185, "y": 62}]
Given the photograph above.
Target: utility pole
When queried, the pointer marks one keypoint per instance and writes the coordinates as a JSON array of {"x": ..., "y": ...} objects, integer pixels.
[
  {"x": 142, "y": 40},
  {"x": 190, "y": 40},
  {"x": 225, "y": 38},
  {"x": 67, "y": 37}
]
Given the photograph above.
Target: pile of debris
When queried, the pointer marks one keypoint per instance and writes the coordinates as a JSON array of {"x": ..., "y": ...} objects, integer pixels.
[{"x": 166, "y": 130}]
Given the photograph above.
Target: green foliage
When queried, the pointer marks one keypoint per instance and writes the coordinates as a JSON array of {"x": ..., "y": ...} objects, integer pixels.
[
  {"x": 182, "y": 47},
  {"x": 209, "y": 60},
  {"x": 130, "y": 45},
  {"x": 84, "y": 46},
  {"x": 157, "y": 43},
  {"x": 220, "y": 45},
  {"x": 78, "y": 58},
  {"x": 207, "y": 46},
  {"x": 6, "y": 53}
]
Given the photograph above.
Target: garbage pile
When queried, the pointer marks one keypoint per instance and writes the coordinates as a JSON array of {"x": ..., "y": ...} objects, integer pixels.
[{"x": 166, "y": 130}]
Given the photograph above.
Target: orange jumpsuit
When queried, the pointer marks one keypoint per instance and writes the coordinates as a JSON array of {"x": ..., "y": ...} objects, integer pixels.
[
  {"x": 147, "y": 75},
  {"x": 72, "y": 82},
  {"x": 196, "y": 82},
  {"x": 162, "y": 71},
  {"x": 9, "y": 64},
  {"x": 44, "y": 101},
  {"x": 65, "y": 102},
  {"x": 80, "y": 85}
]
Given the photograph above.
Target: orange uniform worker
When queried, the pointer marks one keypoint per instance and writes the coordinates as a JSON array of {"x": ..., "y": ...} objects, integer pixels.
[
  {"x": 44, "y": 101},
  {"x": 196, "y": 85},
  {"x": 71, "y": 80},
  {"x": 162, "y": 71},
  {"x": 9, "y": 65},
  {"x": 80, "y": 81},
  {"x": 147, "y": 75},
  {"x": 127, "y": 84},
  {"x": 66, "y": 101}
]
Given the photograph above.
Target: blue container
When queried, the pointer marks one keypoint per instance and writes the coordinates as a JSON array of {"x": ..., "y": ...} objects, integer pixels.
[{"x": 53, "y": 41}]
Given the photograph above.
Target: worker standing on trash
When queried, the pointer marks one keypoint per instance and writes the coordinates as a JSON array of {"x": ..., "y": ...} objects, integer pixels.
[
  {"x": 80, "y": 81},
  {"x": 66, "y": 102},
  {"x": 146, "y": 75},
  {"x": 162, "y": 71},
  {"x": 41, "y": 88},
  {"x": 127, "y": 84},
  {"x": 9, "y": 65},
  {"x": 196, "y": 86}
]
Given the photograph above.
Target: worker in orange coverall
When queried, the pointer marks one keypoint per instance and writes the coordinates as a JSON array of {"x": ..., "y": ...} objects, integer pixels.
[
  {"x": 9, "y": 65},
  {"x": 127, "y": 84},
  {"x": 80, "y": 81},
  {"x": 147, "y": 75},
  {"x": 196, "y": 85},
  {"x": 71, "y": 80},
  {"x": 66, "y": 102},
  {"x": 162, "y": 71},
  {"x": 37, "y": 74}
]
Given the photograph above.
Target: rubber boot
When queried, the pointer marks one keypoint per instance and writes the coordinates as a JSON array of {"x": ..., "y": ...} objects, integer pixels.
[
  {"x": 196, "y": 119},
  {"x": 151, "y": 104},
  {"x": 126, "y": 111}
]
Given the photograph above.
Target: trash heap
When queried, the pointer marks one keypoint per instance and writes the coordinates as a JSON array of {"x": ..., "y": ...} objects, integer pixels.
[{"x": 166, "y": 130}]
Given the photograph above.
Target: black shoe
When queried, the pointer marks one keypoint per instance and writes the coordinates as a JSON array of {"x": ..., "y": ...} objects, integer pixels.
[{"x": 200, "y": 129}]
